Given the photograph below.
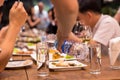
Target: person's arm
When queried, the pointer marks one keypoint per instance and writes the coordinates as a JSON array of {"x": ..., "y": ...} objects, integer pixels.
[
  {"x": 3, "y": 32},
  {"x": 33, "y": 23},
  {"x": 66, "y": 13},
  {"x": 17, "y": 18},
  {"x": 117, "y": 16}
]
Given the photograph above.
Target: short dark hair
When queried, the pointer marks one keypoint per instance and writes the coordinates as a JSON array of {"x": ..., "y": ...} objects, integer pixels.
[{"x": 90, "y": 5}]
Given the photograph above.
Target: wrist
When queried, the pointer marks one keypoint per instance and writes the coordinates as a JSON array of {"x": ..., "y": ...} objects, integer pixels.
[{"x": 14, "y": 26}]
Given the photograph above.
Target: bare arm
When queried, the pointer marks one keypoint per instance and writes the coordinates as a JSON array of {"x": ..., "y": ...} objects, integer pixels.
[
  {"x": 33, "y": 23},
  {"x": 17, "y": 18},
  {"x": 66, "y": 13},
  {"x": 117, "y": 17}
]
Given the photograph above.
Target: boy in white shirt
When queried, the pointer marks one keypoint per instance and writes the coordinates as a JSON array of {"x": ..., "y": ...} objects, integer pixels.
[{"x": 103, "y": 27}]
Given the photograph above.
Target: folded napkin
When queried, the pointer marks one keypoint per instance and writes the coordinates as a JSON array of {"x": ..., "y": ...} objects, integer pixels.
[{"x": 114, "y": 49}]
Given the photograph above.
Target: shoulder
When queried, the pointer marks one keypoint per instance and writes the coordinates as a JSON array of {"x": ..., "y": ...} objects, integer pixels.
[
  {"x": 108, "y": 20},
  {"x": 118, "y": 10}
]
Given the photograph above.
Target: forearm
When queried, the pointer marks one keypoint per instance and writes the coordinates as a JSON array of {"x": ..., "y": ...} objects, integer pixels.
[
  {"x": 117, "y": 17},
  {"x": 7, "y": 45},
  {"x": 66, "y": 13}
]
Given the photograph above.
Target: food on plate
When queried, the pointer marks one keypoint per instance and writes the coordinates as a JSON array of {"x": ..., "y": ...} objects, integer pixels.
[
  {"x": 27, "y": 62},
  {"x": 23, "y": 51},
  {"x": 30, "y": 44},
  {"x": 68, "y": 57},
  {"x": 28, "y": 39},
  {"x": 72, "y": 64},
  {"x": 60, "y": 64},
  {"x": 57, "y": 56},
  {"x": 28, "y": 34},
  {"x": 63, "y": 63},
  {"x": 53, "y": 51}
]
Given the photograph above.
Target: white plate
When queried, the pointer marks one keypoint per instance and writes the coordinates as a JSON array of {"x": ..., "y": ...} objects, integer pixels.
[
  {"x": 24, "y": 51},
  {"x": 77, "y": 65},
  {"x": 19, "y": 64}
]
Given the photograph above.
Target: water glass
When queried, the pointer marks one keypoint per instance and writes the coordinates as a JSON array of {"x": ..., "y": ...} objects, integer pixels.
[
  {"x": 95, "y": 58},
  {"x": 42, "y": 59}
]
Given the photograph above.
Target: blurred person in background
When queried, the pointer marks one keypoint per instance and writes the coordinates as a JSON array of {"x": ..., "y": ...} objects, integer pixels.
[
  {"x": 52, "y": 27},
  {"x": 32, "y": 20},
  {"x": 103, "y": 27},
  {"x": 41, "y": 13},
  {"x": 117, "y": 16},
  {"x": 17, "y": 18}
]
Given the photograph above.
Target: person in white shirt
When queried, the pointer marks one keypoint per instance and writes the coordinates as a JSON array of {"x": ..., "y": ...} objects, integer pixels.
[
  {"x": 41, "y": 13},
  {"x": 104, "y": 27}
]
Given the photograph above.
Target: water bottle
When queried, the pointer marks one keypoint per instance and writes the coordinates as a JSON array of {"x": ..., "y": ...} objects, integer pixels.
[{"x": 66, "y": 47}]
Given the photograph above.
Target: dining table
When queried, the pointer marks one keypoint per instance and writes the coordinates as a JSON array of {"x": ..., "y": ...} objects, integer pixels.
[{"x": 30, "y": 72}]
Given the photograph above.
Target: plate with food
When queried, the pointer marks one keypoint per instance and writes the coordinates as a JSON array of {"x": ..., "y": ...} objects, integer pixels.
[
  {"x": 56, "y": 55},
  {"x": 31, "y": 46},
  {"x": 24, "y": 51},
  {"x": 28, "y": 39},
  {"x": 66, "y": 65},
  {"x": 19, "y": 63}
]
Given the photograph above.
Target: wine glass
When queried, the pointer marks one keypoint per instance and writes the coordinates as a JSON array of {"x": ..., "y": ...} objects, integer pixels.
[
  {"x": 80, "y": 51},
  {"x": 87, "y": 34}
]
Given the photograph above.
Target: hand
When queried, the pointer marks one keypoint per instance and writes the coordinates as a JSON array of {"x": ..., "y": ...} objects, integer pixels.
[
  {"x": 70, "y": 37},
  {"x": 18, "y": 15}
]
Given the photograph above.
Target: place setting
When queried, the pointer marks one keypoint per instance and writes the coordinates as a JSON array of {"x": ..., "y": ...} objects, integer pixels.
[
  {"x": 18, "y": 64},
  {"x": 50, "y": 59}
]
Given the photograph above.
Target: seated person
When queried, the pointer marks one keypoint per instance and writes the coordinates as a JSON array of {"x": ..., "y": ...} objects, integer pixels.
[
  {"x": 41, "y": 13},
  {"x": 52, "y": 27},
  {"x": 32, "y": 20},
  {"x": 17, "y": 18},
  {"x": 103, "y": 27}
]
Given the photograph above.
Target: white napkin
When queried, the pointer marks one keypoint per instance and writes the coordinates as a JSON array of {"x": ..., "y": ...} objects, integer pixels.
[{"x": 114, "y": 49}]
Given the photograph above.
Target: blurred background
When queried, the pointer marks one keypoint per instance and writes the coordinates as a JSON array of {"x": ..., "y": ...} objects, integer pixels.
[{"x": 108, "y": 7}]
